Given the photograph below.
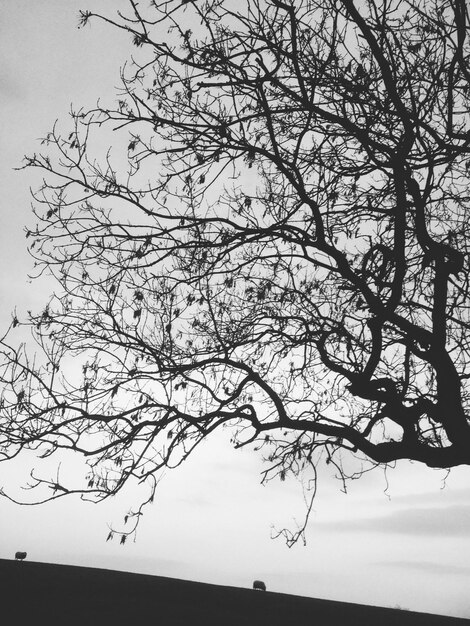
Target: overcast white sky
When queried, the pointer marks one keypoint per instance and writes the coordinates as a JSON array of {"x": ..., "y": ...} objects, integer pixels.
[{"x": 211, "y": 518}]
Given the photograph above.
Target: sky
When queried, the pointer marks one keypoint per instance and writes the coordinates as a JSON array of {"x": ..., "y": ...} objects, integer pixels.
[{"x": 400, "y": 539}]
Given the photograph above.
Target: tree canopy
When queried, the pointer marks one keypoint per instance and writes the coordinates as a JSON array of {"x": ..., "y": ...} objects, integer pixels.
[{"x": 268, "y": 230}]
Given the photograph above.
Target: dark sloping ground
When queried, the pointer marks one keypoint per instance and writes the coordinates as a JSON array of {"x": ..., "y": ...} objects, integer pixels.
[{"x": 39, "y": 593}]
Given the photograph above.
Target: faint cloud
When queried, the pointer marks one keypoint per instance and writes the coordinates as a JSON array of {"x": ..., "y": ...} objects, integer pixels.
[
  {"x": 195, "y": 501},
  {"x": 10, "y": 89},
  {"x": 429, "y": 566},
  {"x": 449, "y": 521},
  {"x": 143, "y": 565},
  {"x": 435, "y": 498}
]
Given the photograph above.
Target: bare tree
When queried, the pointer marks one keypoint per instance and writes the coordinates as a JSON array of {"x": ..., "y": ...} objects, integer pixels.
[{"x": 276, "y": 241}]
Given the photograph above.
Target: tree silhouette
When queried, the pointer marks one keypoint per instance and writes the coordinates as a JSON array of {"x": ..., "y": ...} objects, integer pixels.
[{"x": 268, "y": 231}]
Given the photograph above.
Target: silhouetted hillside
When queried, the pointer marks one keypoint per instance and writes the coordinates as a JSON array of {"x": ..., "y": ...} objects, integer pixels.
[{"x": 40, "y": 593}]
